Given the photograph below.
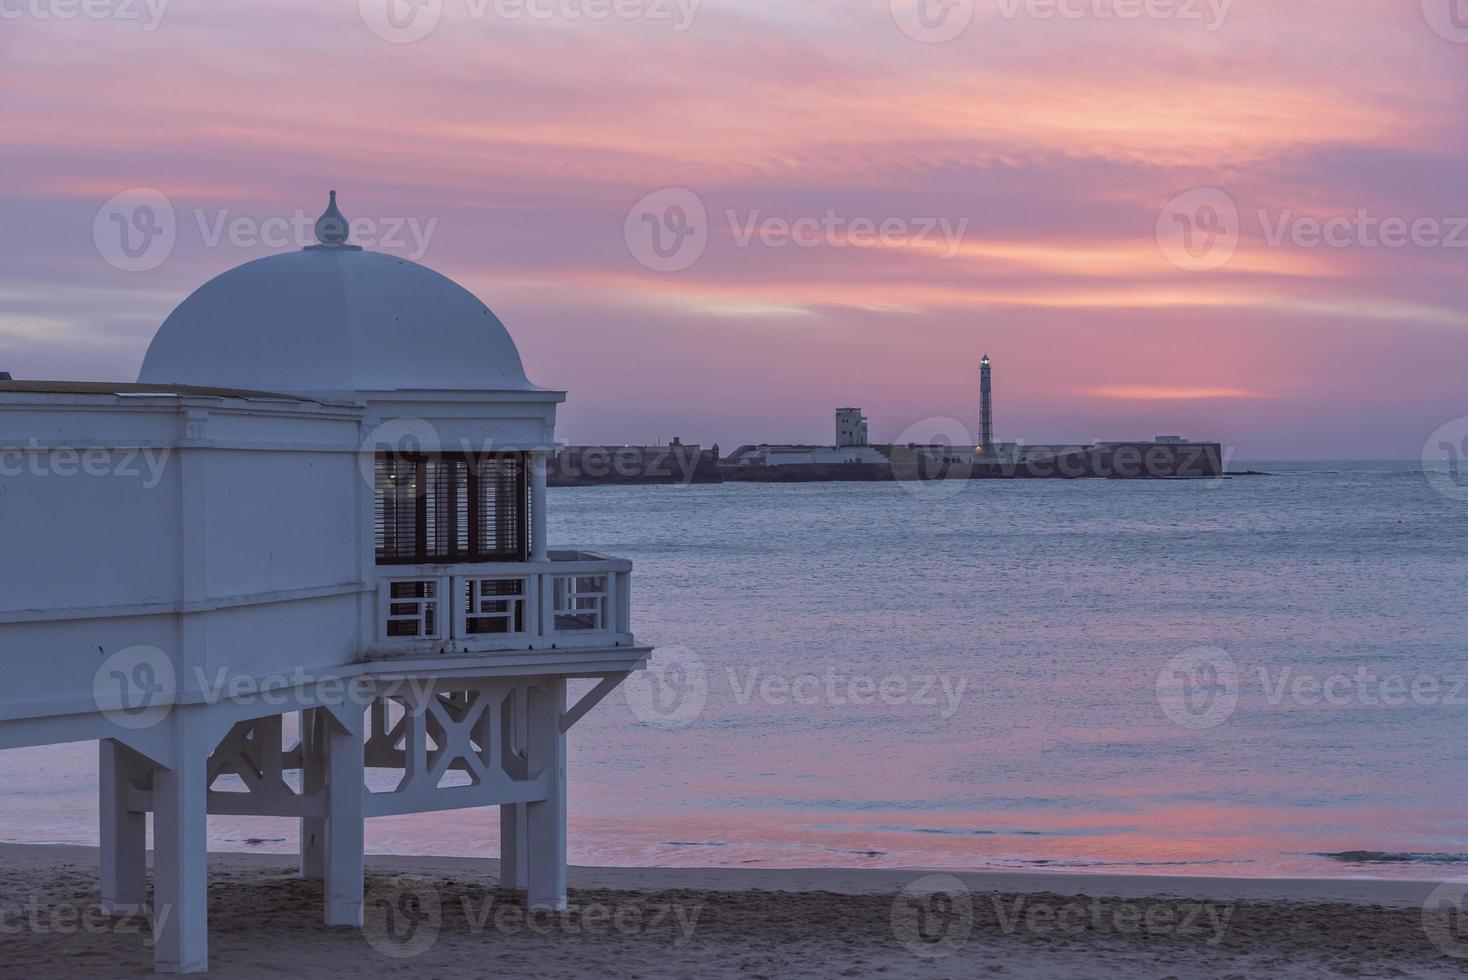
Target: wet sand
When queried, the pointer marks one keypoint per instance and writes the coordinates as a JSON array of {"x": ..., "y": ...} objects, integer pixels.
[{"x": 447, "y": 917}]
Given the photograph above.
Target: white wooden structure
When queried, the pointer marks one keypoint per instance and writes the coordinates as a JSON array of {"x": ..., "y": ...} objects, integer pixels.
[{"x": 321, "y": 511}]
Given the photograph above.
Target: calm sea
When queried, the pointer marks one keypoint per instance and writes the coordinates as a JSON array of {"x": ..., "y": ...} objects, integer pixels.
[{"x": 1263, "y": 675}]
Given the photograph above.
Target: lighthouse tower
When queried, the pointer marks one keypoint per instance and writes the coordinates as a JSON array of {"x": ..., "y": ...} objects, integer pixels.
[{"x": 986, "y": 410}]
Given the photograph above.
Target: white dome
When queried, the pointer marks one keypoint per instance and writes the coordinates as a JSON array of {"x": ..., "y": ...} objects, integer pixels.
[{"x": 333, "y": 321}]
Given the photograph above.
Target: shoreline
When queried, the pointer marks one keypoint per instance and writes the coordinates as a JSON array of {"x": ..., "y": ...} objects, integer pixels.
[
  {"x": 1364, "y": 890},
  {"x": 265, "y": 921}
]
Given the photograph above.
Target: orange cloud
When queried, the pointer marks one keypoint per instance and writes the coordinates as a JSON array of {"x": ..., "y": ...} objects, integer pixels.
[{"x": 1149, "y": 393}]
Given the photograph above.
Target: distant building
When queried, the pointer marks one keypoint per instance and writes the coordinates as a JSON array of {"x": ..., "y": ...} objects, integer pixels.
[
  {"x": 851, "y": 428},
  {"x": 851, "y": 447}
]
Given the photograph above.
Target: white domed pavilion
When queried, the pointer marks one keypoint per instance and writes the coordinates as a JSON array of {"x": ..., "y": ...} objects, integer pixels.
[
  {"x": 309, "y": 541},
  {"x": 335, "y": 322}
]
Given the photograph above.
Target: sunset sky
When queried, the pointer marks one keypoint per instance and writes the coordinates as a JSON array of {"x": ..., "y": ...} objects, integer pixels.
[{"x": 522, "y": 142}]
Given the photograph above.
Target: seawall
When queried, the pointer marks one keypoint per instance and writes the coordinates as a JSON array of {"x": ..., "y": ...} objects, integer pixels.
[{"x": 632, "y": 465}]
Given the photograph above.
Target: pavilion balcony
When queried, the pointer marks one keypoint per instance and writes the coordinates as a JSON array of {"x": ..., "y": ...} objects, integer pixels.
[{"x": 576, "y": 600}]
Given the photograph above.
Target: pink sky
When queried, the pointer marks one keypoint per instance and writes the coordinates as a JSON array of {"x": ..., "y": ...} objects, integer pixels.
[{"x": 1055, "y": 144}]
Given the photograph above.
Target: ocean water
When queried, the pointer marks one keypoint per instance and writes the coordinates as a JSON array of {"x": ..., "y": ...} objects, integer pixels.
[{"x": 1256, "y": 676}]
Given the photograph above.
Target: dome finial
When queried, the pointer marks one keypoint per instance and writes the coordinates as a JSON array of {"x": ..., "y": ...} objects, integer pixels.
[{"x": 332, "y": 227}]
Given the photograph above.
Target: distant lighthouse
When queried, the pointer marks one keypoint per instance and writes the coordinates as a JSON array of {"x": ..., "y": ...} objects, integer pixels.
[{"x": 986, "y": 409}]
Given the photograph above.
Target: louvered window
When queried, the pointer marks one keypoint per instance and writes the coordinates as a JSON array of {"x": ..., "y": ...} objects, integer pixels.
[{"x": 451, "y": 508}]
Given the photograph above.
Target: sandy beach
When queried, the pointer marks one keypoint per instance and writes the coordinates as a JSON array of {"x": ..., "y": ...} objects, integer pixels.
[{"x": 446, "y": 917}]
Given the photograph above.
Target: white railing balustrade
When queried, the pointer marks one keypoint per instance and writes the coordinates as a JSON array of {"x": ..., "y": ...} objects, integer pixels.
[
  {"x": 579, "y": 602},
  {"x": 411, "y": 608},
  {"x": 574, "y": 600},
  {"x": 494, "y": 606}
]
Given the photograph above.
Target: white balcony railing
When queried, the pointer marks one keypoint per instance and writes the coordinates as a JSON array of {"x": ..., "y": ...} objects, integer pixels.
[{"x": 575, "y": 600}]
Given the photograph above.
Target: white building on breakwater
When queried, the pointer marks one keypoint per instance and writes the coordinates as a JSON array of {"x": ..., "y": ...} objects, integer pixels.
[
  {"x": 310, "y": 541},
  {"x": 851, "y": 447}
]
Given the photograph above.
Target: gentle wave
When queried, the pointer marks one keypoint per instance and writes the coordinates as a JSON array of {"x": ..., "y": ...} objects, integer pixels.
[{"x": 1393, "y": 857}]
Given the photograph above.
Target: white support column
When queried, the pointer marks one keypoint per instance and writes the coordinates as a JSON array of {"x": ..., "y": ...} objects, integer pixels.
[
  {"x": 181, "y": 850},
  {"x": 513, "y": 852},
  {"x": 345, "y": 786},
  {"x": 313, "y": 780},
  {"x": 515, "y": 733},
  {"x": 546, "y": 820},
  {"x": 124, "y": 836},
  {"x": 539, "y": 546}
]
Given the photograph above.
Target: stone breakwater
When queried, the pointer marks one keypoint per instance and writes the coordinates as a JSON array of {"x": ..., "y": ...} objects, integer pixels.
[{"x": 682, "y": 464}]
